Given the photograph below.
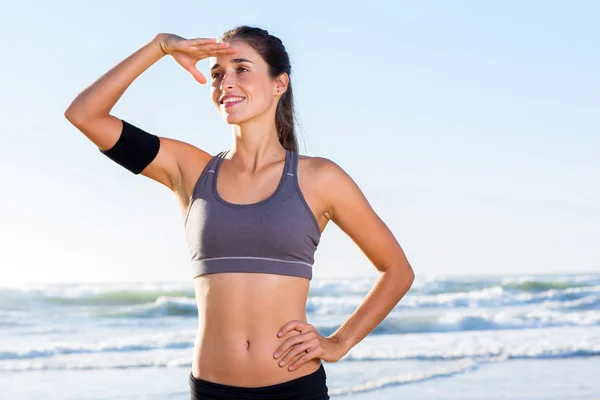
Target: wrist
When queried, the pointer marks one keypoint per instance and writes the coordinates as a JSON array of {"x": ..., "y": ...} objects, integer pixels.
[
  {"x": 159, "y": 41},
  {"x": 344, "y": 345}
]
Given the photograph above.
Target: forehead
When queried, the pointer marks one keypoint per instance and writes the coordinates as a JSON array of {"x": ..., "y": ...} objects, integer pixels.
[{"x": 244, "y": 51}]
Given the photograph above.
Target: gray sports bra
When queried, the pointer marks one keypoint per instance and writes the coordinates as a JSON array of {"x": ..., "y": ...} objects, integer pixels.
[{"x": 278, "y": 235}]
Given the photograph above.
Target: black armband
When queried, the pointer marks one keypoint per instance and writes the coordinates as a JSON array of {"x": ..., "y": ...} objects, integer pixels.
[{"x": 135, "y": 149}]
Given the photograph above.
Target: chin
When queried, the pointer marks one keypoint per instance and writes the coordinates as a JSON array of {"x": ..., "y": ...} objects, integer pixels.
[{"x": 234, "y": 118}]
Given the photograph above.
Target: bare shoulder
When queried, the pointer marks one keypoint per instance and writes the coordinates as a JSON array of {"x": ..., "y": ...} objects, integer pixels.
[
  {"x": 327, "y": 180},
  {"x": 320, "y": 167}
]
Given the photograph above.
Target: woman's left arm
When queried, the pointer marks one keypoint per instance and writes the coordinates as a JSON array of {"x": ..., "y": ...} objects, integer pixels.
[{"x": 349, "y": 209}]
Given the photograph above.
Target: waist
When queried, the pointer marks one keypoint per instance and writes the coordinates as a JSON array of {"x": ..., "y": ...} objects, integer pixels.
[
  {"x": 239, "y": 315},
  {"x": 242, "y": 355}
]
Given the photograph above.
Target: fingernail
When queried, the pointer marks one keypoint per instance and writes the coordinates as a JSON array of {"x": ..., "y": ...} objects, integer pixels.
[
  {"x": 276, "y": 355},
  {"x": 291, "y": 368},
  {"x": 279, "y": 333},
  {"x": 281, "y": 363}
]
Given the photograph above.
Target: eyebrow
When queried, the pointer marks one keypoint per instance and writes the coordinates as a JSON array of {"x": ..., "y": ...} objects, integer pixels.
[{"x": 235, "y": 60}]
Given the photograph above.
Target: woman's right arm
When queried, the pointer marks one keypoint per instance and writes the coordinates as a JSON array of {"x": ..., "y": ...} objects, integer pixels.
[{"x": 90, "y": 110}]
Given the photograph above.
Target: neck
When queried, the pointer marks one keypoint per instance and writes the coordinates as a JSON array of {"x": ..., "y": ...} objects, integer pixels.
[{"x": 255, "y": 144}]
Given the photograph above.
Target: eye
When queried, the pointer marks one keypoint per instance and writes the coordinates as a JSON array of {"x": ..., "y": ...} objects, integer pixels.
[
  {"x": 215, "y": 75},
  {"x": 242, "y": 69}
]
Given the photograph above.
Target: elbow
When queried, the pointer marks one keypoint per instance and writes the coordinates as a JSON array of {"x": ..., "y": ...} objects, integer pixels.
[
  {"x": 77, "y": 112},
  {"x": 409, "y": 275},
  {"x": 72, "y": 115},
  {"x": 405, "y": 274},
  {"x": 412, "y": 277},
  {"x": 77, "y": 118},
  {"x": 402, "y": 272}
]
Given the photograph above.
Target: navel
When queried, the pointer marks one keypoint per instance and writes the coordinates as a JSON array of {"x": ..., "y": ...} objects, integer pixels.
[{"x": 247, "y": 344}]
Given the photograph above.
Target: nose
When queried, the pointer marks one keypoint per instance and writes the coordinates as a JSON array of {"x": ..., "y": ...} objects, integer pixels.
[{"x": 226, "y": 82}]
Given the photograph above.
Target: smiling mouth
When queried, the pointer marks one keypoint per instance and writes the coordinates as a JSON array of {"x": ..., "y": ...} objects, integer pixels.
[{"x": 233, "y": 103}]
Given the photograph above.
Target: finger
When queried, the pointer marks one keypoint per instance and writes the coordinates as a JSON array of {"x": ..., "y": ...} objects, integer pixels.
[
  {"x": 287, "y": 345},
  {"x": 198, "y": 41},
  {"x": 197, "y": 75},
  {"x": 314, "y": 353},
  {"x": 295, "y": 352},
  {"x": 289, "y": 326},
  {"x": 295, "y": 340},
  {"x": 212, "y": 53},
  {"x": 295, "y": 358},
  {"x": 213, "y": 46}
]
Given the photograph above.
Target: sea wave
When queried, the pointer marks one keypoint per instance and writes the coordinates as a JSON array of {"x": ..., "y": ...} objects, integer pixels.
[
  {"x": 162, "y": 307},
  {"x": 582, "y": 298},
  {"x": 466, "y": 324},
  {"x": 450, "y": 292},
  {"x": 173, "y": 350},
  {"x": 486, "y": 355},
  {"x": 458, "y": 367},
  {"x": 19, "y": 350},
  {"x": 177, "y": 304},
  {"x": 579, "y": 304},
  {"x": 119, "y": 297},
  {"x": 478, "y": 320}
]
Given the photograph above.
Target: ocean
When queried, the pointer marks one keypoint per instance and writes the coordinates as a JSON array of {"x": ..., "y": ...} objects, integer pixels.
[{"x": 502, "y": 337}]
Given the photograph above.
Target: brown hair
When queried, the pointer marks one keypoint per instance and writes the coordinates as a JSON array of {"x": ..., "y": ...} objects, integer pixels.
[{"x": 272, "y": 50}]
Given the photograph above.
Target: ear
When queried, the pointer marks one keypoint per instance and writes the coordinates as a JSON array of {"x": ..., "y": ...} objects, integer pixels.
[{"x": 281, "y": 84}]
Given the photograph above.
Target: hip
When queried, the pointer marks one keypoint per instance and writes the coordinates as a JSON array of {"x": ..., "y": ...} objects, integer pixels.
[
  {"x": 244, "y": 358},
  {"x": 311, "y": 386}
]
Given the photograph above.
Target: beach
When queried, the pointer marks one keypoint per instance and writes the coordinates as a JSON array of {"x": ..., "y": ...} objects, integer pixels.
[
  {"x": 535, "y": 337},
  {"x": 518, "y": 379}
]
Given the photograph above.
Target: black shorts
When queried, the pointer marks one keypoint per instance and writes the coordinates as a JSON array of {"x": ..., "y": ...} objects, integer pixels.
[{"x": 309, "y": 387}]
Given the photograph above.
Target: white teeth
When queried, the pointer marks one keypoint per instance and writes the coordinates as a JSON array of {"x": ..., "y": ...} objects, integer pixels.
[{"x": 231, "y": 99}]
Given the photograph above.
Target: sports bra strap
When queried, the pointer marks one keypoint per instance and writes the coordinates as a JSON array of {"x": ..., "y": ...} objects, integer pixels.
[
  {"x": 212, "y": 164},
  {"x": 293, "y": 164}
]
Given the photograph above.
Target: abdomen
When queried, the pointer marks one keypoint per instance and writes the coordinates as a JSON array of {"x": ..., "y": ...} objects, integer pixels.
[{"x": 239, "y": 317}]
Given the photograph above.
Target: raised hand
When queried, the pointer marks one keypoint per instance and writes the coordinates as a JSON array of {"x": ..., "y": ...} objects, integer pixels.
[{"x": 187, "y": 52}]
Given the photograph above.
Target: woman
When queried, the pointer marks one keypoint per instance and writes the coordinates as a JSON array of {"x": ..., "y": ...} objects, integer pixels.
[{"x": 253, "y": 218}]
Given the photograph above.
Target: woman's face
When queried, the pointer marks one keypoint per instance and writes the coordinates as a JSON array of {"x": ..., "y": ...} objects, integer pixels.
[{"x": 241, "y": 86}]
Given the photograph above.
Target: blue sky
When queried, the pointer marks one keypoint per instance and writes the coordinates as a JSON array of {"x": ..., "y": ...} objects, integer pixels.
[{"x": 471, "y": 127}]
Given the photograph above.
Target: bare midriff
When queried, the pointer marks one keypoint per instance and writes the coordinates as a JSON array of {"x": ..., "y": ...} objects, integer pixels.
[{"x": 239, "y": 317}]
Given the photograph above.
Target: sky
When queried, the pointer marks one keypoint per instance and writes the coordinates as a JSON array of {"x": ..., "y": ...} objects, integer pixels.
[{"x": 471, "y": 127}]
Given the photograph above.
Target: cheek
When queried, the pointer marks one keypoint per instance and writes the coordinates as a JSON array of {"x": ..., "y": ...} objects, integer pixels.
[{"x": 262, "y": 91}]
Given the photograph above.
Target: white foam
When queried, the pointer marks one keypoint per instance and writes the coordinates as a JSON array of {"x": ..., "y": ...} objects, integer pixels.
[
  {"x": 402, "y": 379},
  {"x": 46, "y": 347},
  {"x": 173, "y": 349},
  {"x": 481, "y": 346}
]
